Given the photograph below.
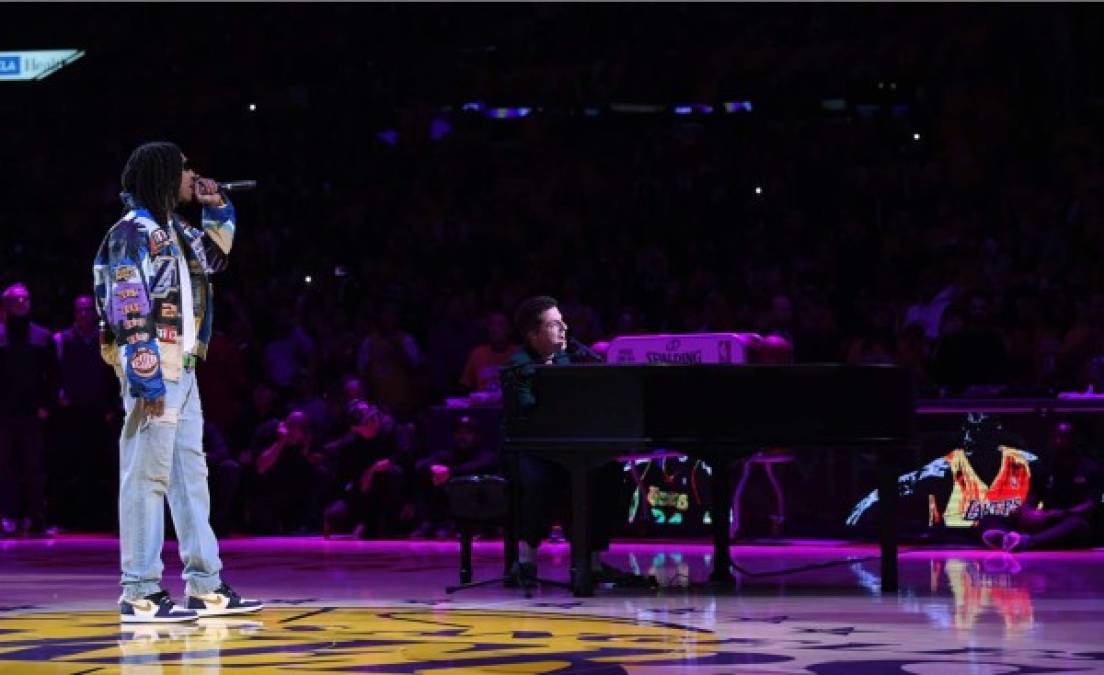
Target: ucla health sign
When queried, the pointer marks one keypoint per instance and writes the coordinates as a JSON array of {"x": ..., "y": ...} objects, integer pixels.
[{"x": 35, "y": 65}]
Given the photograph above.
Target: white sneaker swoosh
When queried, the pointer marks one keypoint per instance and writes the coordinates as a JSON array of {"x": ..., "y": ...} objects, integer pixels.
[{"x": 215, "y": 601}]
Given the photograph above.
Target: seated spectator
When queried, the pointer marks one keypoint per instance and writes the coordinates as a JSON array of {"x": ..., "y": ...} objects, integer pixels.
[
  {"x": 83, "y": 430},
  {"x": 468, "y": 456},
  {"x": 913, "y": 352},
  {"x": 970, "y": 350},
  {"x": 291, "y": 476},
  {"x": 781, "y": 319},
  {"x": 1063, "y": 507},
  {"x": 371, "y": 465},
  {"x": 481, "y": 371},
  {"x": 309, "y": 400},
  {"x": 931, "y": 302},
  {"x": 586, "y": 323},
  {"x": 348, "y": 389},
  {"x": 291, "y": 353},
  {"x": 265, "y": 405},
  {"x": 389, "y": 360},
  {"x": 225, "y": 477},
  {"x": 449, "y": 342},
  {"x": 28, "y": 392},
  {"x": 224, "y": 393}
]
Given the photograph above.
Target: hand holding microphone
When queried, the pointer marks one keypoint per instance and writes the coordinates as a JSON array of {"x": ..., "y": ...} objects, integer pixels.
[
  {"x": 210, "y": 192},
  {"x": 207, "y": 192}
]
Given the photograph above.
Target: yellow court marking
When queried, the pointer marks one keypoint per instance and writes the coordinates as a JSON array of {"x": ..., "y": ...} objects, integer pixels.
[{"x": 392, "y": 640}]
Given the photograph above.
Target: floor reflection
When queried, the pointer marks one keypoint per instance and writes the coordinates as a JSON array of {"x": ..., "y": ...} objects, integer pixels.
[
  {"x": 149, "y": 649},
  {"x": 995, "y": 583}
]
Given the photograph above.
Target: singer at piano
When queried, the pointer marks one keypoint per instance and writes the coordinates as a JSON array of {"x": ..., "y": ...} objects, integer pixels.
[
  {"x": 153, "y": 295},
  {"x": 544, "y": 485}
]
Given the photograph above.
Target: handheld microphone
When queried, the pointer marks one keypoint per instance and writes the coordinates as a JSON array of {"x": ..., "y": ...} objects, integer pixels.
[
  {"x": 574, "y": 346},
  {"x": 237, "y": 185}
]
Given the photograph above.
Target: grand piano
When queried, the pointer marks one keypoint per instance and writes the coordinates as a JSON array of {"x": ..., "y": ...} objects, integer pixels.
[{"x": 587, "y": 415}]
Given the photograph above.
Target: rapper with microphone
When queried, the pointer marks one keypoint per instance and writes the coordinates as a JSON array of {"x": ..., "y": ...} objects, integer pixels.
[
  {"x": 153, "y": 294},
  {"x": 544, "y": 484}
]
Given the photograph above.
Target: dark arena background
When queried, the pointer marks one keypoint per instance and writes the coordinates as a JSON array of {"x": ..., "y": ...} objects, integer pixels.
[{"x": 818, "y": 251}]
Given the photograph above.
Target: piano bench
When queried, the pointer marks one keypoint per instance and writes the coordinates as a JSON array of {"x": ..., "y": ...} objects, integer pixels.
[{"x": 474, "y": 502}]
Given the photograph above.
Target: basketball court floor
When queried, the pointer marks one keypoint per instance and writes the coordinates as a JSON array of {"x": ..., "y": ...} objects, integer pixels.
[{"x": 380, "y": 607}]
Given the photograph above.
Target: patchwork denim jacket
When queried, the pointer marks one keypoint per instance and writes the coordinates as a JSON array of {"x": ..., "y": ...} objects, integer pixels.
[{"x": 137, "y": 288}]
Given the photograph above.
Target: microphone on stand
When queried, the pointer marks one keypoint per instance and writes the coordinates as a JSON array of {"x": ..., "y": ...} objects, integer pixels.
[
  {"x": 577, "y": 348},
  {"x": 237, "y": 185}
]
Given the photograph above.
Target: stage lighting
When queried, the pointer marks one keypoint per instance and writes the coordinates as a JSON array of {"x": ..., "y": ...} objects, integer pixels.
[
  {"x": 737, "y": 106},
  {"x": 507, "y": 113},
  {"x": 692, "y": 108}
]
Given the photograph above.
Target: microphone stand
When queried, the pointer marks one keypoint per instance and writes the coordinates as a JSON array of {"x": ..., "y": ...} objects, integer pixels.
[{"x": 588, "y": 355}]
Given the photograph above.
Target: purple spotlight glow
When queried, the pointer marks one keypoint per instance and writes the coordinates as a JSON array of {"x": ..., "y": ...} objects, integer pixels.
[
  {"x": 692, "y": 108},
  {"x": 508, "y": 113},
  {"x": 439, "y": 127},
  {"x": 737, "y": 106},
  {"x": 389, "y": 136}
]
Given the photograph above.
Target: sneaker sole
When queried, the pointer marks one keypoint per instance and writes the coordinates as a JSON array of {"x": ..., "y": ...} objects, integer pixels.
[
  {"x": 132, "y": 618},
  {"x": 203, "y": 613}
]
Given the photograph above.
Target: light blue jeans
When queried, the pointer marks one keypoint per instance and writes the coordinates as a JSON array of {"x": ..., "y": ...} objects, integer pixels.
[{"x": 158, "y": 458}]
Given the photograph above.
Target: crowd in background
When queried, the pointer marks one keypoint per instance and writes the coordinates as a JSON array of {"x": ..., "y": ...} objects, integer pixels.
[{"x": 955, "y": 229}]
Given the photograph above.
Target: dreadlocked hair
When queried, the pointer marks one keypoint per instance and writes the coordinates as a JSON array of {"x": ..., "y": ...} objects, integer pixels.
[{"x": 152, "y": 176}]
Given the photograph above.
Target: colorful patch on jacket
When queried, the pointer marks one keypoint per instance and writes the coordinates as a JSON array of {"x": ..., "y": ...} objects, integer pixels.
[
  {"x": 165, "y": 278},
  {"x": 144, "y": 362},
  {"x": 135, "y": 338},
  {"x": 126, "y": 273},
  {"x": 159, "y": 240},
  {"x": 167, "y": 333},
  {"x": 127, "y": 299}
]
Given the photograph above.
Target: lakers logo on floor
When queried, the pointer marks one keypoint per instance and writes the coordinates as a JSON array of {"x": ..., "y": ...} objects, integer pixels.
[
  {"x": 437, "y": 640},
  {"x": 364, "y": 639}
]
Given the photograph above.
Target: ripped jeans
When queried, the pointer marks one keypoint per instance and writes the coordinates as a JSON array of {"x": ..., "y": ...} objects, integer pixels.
[{"x": 158, "y": 458}]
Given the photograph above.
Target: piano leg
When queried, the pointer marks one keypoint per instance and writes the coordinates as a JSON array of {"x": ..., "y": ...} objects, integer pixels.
[
  {"x": 718, "y": 511},
  {"x": 580, "y": 531},
  {"x": 512, "y": 532},
  {"x": 887, "y": 496}
]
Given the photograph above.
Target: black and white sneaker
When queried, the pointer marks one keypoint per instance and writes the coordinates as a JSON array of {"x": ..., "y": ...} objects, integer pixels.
[
  {"x": 155, "y": 608},
  {"x": 221, "y": 602}
]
